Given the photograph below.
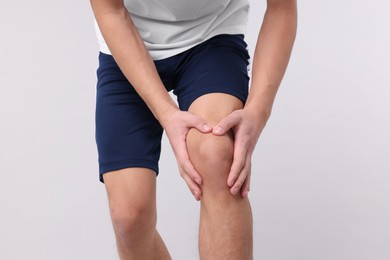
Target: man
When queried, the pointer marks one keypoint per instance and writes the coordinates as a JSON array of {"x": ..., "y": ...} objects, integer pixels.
[{"x": 197, "y": 49}]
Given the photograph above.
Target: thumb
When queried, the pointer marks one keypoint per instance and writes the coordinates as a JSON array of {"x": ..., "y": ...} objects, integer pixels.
[
  {"x": 200, "y": 124},
  {"x": 226, "y": 124}
]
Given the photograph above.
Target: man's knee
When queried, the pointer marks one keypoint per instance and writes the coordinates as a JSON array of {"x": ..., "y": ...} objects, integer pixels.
[
  {"x": 212, "y": 157},
  {"x": 133, "y": 222},
  {"x": 131, "y": 197}
]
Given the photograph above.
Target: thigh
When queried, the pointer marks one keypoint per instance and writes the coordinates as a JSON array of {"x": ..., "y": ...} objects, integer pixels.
[
  {"x": 127, "y": 134},
  {"x": 131, "y": 189},
  {"x": 213, "y": 107},
  {"x": 218, "y": 65}
]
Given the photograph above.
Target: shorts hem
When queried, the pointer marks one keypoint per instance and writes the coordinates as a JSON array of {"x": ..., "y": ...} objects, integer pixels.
[
  {"x": 208, "y": 90},
  {"x": 107, "y": 167}
]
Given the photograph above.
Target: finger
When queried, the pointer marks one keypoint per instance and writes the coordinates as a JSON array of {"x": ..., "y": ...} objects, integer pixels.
[
  {"x": 193, "y": 186},
  {"x": 226, "y": 124},
  {"x": 246, "y": 185},
  {"x": 241, "y": 178},
  {"x": 245, "y": 171},
  {"x": 239, "y": 158},
  {"x": 185, "y": 162},
  {"x": 190, "y": 170},
  {"x": 200, "y": 124}
]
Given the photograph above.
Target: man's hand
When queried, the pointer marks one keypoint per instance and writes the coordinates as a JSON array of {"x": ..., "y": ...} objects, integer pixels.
[
  {"x": 246, "y": 129},
  {"x": 177, "y": 126}
]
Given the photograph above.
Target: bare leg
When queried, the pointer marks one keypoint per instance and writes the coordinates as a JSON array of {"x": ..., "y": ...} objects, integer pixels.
[
  {"x": 225, "y": 230},
  {"x": 132, "y": 199}
]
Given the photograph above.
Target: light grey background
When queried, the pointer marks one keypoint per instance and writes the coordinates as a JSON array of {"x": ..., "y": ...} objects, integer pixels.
[{"x": 321, "y": 171}]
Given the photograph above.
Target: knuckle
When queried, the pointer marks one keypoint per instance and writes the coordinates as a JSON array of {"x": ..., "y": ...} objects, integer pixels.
[
  {"x": 240, "y": 182},
  {"x": 189, "y": 184},
  {"x": 237, "y": 165},
  {"x": 245, "y": 142},
  {"x": 234, "y": 175},
  {"x": 237, "y": 186},
  {"x": 241, "y": 164},
  {"x": 241, "y": 178},
  {"x": 181, "y": 162},
  {"x": 191, "y": 173},
  {"x": 182, "y": 173},
  {"x": 186, "y": 167}
]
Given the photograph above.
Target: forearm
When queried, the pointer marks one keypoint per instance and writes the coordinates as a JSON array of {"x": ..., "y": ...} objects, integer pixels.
[
  {"x": 131, "y": 55},
  {"x": 272, "y": 54}
]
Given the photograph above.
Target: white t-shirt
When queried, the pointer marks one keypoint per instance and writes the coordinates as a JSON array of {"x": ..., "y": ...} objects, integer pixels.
[{"x": 169, "y": 27}]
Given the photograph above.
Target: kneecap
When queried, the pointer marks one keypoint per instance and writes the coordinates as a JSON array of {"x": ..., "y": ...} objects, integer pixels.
[{"x": 209, "y": 152}]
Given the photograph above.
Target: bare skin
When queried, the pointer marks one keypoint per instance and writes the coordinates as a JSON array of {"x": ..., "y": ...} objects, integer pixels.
[
  {"x": 272, "y": 54},
  {"x": 225, "y": 219},
  {"x": 239, "y": 128},
  {"x": 132, "y": 200}
]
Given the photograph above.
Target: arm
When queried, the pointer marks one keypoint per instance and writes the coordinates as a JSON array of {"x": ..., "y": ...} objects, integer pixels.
[
  {"x": 272, "y": 54},
  {"x": 131, "y": 55}
]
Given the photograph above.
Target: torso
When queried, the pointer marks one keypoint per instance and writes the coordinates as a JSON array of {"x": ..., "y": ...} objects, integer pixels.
[{"x": 169, "y": 27}]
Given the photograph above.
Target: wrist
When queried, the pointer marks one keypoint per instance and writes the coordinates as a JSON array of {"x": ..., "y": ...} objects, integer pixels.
[
  {"x": 165, "y": 113},
  {"x": 259, "y": 112},
  {"x": 160, "y": 104}
]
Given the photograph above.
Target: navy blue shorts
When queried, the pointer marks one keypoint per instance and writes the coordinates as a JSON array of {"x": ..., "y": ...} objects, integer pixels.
[{"x": 127, "y": 134}]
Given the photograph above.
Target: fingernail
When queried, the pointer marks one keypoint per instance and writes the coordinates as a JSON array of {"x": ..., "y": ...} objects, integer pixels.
[
  {"x": 197, "y": 196},
  {"x": 206, "y": 127},
  {"x": 218, "y": 130}
]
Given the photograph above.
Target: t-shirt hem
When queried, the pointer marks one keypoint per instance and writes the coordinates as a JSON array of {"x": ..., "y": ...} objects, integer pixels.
[{"x": 163, "y": 54}]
